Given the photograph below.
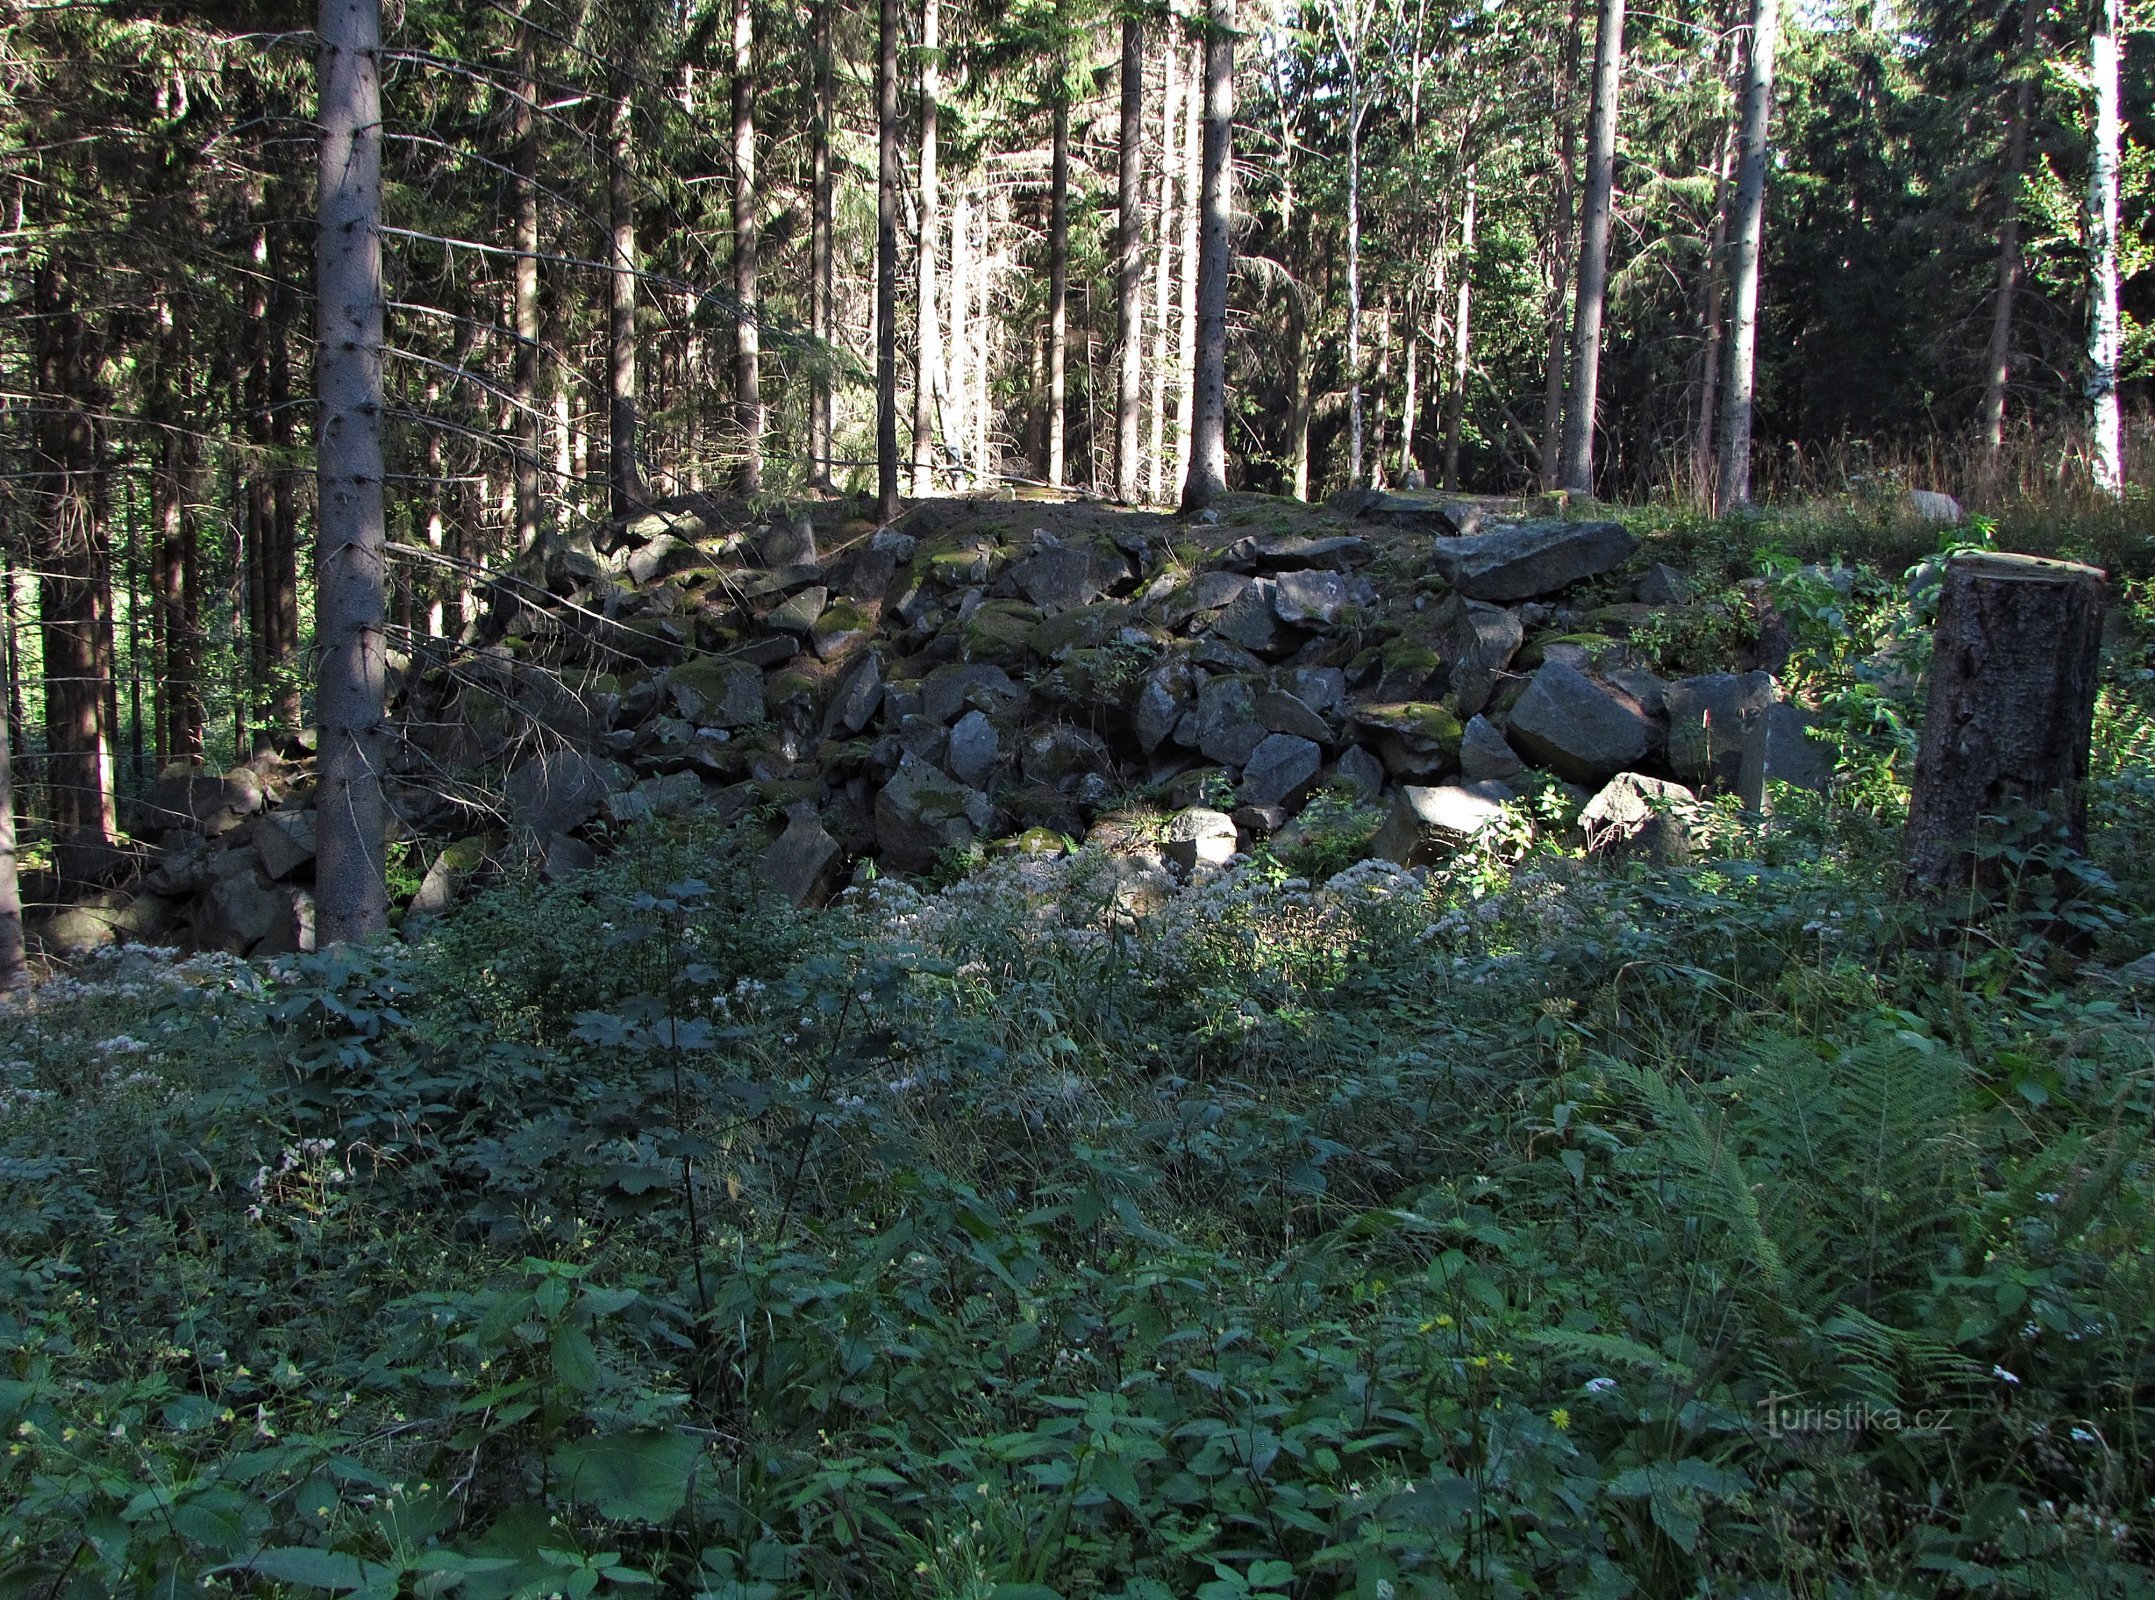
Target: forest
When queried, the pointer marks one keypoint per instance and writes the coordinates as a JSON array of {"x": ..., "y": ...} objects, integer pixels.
[{"x": 1015, "y": 800}]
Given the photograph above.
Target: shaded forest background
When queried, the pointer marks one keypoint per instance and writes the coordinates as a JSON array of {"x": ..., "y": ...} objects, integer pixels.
[{"x": 631, "y": 254}]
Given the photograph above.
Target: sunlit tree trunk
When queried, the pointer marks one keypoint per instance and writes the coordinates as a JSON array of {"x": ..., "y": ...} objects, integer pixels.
[
  {"x": 1130, "y": 263},
  {"x": 1186, "y": 210},
  {"x": 1998, "y": 353},
  {"x": 958, "y": 380},
  {"x": 351, "y": 893},
  {"x": 524, "y": 365},
  {"x": 1559, "y": 257},
  {"x": 1165, "y": 230},
  {"x": 1462, "y": 349},
  {"x": 1058, "y": 282},
  {"x": 1732, "y": 477},
  {"x": 1711, "y": 327},
  {"x": 1578, "y": 461},
  {"x": 927, "y": 337},
  {"x": 14, "y": 972},
  {"x": 821, "y": 301},
  {"x": 1208, "y": 432},
  {"x": 2106, "y": 467},
  {"x": 747, "y": 250},
  {"x": 626, "y": 477},
  {"x": 886, "y": 264}
]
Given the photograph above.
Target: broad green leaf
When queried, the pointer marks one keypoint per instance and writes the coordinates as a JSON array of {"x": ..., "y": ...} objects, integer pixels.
[{"x": 639, "y": 1473}]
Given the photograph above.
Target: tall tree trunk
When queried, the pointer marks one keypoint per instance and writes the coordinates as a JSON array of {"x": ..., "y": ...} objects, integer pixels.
[
  {"x": 1710, "y": 327},
  {"x": 747, "y": 337},
  {"x": 1455, "y": 403},
  {"x": 1732, "y": 485},
  {"x": 524, "y": 368},
  {"x": 957, "y": 377},
  {"x": 75, "y": 581},
  {"x": 1560, "y": 248},
  {"x": 821, "y": 301},
  {"x": 625, "y": 476},
  {"x": 1130, "y": 261},
  {"x": 1164, "y": 235},
  {"x": 2106, "y": 467},
  {"x": 1411, "y": 401},
  {"x": 280, "y": 570},
  {"x": 351, "y": 891},
  {"x": 173, "y": 488},
  {"x": 1998, "y": 354},
  {"x": 927, "y": 334},
  {"x": 886, "y": 264},
  {"x": 1208, "y": 434},
  {"x": 14, "y": 971},
  {"x": 1186, "y": 205},
  {"x": 1058, "y": 279},
  {"x": 1578, "y": 461},
  {"x": 1354, "y": 281}
]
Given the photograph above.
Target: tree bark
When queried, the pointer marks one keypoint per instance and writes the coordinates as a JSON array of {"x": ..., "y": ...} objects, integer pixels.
[
  {"x": 1058, "y": 279},
  {"x": 886, "y": 264},
  {"x": 1577, "y": 471},
  {"x": 625, "y": 476},
  {"x": 927, "y": 335},
  {"x": 524, "y": 368},
  {"x": 747, "y": 250},
  {"x": 74, "y": 581},
  {"x": 2012, "y": 700},
  {"x": 351, "y": 893},
  {"x": 1130, "y": 262},
  {"x": 174, "y": 619},
  {"x": 1165, "y": 230},
  {"x": 1565, "y": 177},
  {"x": 1455, "y": 403},
  {"x": 14, "y": 971},
  {"x": 1188, "y": 186},
  {"x": 2105, "y": 464},
  {"x": 1732, "y": 476},
  {"x": 280, "y": 570},
  {"x": 1998, "y": 353},
  {"x": 1711, "y": 328},
  {"x": 1208, "y": 430},
  {"x": 822, "y": 320},
  {"x": 1410, "y": 403},
  {"x": 958, "y": 349},
  {"x": 1354, "y": 275}
]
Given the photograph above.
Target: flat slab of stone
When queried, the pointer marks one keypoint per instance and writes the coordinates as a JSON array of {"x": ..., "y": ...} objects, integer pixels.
[
  {"x": 1277, "y": 552},
  {"x": 1532, "y": 558},
  {"x": 1280, "y": 770}
]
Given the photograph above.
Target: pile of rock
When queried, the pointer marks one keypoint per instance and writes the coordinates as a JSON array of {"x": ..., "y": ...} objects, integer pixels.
[{"x": 966, "y": 676}]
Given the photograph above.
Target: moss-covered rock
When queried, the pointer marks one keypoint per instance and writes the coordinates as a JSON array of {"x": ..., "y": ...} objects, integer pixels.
[{"x": 1000, "y": 631}]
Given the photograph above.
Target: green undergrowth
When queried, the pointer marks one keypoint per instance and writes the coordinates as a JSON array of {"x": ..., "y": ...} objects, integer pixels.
[{"x": 1532, "y": 1226}]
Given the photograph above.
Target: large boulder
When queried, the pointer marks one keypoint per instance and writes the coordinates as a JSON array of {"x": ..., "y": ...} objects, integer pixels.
[
  {"x": 1057, "y": 756},
  {"x": 1637, "y": 815},
  {"x": 1228, "y": 729},
  {"x": 710, "y": 693},
  {"x": 1576, "y": 727},
  {"x": 1311, "y": 598},
  {"x": 1280, "y": 770},
  {"x": 949, "y": 690},
  {"x": 1059, "y": 577},
  {"x": 1425, "y": 823},
  {"x": 1276, "y": 552},
  {"x": 1415, "y": 738},
  {"x": 1162, "y": 699},
  {"x": 1477, "y": 642},
  {"x": 922, "y": 812},
  {"x": 1533, "y": 558},
  {"x": 1778, "y": 748},
  {"x": 1484, "y": 752},
  {"x": 1253, "y": 622},
  {"x": 1282, "y": 712},
  {"x": 801, "y": 861},
  {"x": 285, "y": 841},
  {"x": 1708, "y": 718},
  {"x": 974, "y": 748},
  {"x": 859, "y": 696},
  {"x": 561, "y": 789},
  {"x": 1199, "y": 836}
]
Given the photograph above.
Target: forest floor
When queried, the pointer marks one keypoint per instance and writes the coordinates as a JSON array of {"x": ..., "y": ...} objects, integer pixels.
[{"x": 1528, "y": 1223}]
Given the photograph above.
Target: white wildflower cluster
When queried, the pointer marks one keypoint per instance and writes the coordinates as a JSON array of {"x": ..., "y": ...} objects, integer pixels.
[{"x": 304, "y": 1174}]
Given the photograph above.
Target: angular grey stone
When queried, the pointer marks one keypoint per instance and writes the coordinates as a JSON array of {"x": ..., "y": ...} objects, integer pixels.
[
  {"x": 1630, "y": 816},
  {"x": 1282, "y": 712},
  {"x": 1662, "y": 585},
  {"x": 788, "y": 542},
  {"x": 451, "y": 870},
  {"x": 1650, "y": 690},
  {"x": 1258, "y": 822},
  {"x": 1423, "y": 824},
  {"x": 974, "y": 749},
  {"x": 675, "y": 794},
  {"x": 1276, "y": 552},
  {"x": 1463, "y": 518},
  {"x": 293, "y": 931},
  {"x": 1932, "y": 506},
  {"x": 1227, "y": 725},
  {"x": 1251, "y": 621},
  {"x": 1060, "y": 578},
  {"x": 1200, "y": 836},
  {"x": 922, "y": 812},
  {"x": 1322, "y": 689},
  {"x": 1161, "y": 701},
  {"x": 801, "y": 862},
  {"x": 562, "y": 855},
  {"x": 859, "y": 694},
  {"x": 1533, "y": 558},
  {"x": 1576, "y": 728},
  {"x": 1708, "y": 716},
  {"x": 238, "y": 912},
  {"x": 1778, "y": 748},
  {"x": 949, "y": 689},
  {"x": 1360, "y": 771},
  {"x": 891, "y": 541},
  {"x": 1415, "y": 739},
  {"x": 285, "y": 841},
  {"x": 663, "y": 557},
  {"x": 1280, "y": 770},
  {"x": 1059, "y": 755},
  {"x": 799, "y": 614},
  {"x": 1484, "y": 754},
  {"x": 1310, "y": 598},
  {"x": 561, "y": 789},
  {"x": 1477, "y": 642},
  {"x": 717, "y": 694}
]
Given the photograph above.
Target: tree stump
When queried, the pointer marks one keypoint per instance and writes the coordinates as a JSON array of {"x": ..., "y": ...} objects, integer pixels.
[{"x": 2012, "y": 702}]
